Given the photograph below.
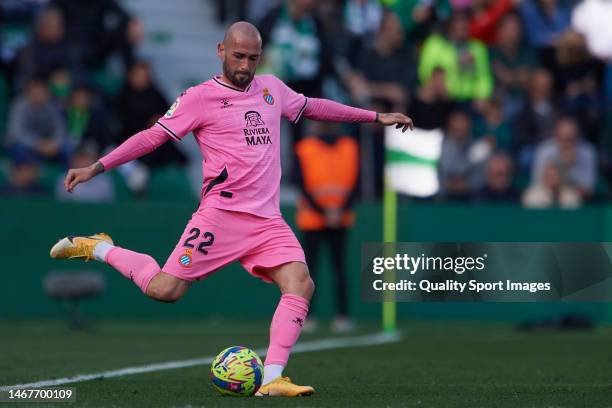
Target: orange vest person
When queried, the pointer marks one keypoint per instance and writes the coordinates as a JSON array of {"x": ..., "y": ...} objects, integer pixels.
[
  {"x": 329, "y": 175},
  {"x": 329, "y": 167}
]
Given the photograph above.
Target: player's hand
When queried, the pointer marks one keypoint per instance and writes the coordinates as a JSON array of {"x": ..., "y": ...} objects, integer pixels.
[
  {"x": 397, "y": 119},
  {"x": 81, "y": 175}
]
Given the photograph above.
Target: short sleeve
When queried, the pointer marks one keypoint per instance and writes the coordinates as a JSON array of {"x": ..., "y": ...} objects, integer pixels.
[
  {"x": 293, "y": 103},
  {"x": 183, "y": 116}
]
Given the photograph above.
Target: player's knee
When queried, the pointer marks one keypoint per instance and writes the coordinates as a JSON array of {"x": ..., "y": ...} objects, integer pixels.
[
  {"x": 166, "y": 288},
  {"x": 304, "y": 283},
  {"x": 168, "y": 293},
  {"x": 309, "y": 286}
]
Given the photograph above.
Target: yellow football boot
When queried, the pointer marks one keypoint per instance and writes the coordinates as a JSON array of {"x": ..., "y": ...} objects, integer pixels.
[
  {"x": 78, "y": 247},
  {"x": 283, "y": 387}
]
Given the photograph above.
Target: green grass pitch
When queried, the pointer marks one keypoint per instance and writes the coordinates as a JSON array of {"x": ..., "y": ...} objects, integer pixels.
[{"x": 436, "y": 364}]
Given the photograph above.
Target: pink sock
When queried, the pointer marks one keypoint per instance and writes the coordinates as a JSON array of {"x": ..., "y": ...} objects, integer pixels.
[
  {"x": 140, "y": 268},
  {"x": 286, "y": 327}
]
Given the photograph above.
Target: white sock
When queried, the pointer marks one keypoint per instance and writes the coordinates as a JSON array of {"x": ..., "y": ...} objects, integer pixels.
[
  {"x": 272, "y": 372},
  {"x": 100, "y": 251}
]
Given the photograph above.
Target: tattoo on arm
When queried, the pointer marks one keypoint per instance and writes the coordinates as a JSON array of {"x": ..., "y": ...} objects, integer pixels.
[{"x": 98, "y": 167}]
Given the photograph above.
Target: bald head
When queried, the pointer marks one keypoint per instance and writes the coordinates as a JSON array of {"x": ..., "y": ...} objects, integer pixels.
[
  {"x": 240, "y": 52},
  {"x": 242, "y": 30}
]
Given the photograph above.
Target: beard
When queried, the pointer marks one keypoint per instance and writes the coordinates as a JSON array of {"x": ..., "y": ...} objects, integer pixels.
[{"x": 239, "y": 78}]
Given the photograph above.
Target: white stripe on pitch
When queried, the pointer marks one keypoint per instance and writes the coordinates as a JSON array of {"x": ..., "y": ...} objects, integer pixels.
[{"x": 304, "y": 347}]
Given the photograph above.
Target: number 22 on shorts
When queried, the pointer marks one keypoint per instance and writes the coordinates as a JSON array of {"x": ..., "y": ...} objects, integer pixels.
[{"x": 208, "y": 239}]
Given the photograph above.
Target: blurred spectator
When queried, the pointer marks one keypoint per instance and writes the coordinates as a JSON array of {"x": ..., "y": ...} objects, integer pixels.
[
  {"x": 344, "y": 45},
  {"x": 535, "y": 122},
  {"x": 295, "y": 49},
  {"x": 229, "y": 11},
  {"x": 36, "y": 129},
  {"x": 486, "y": 15},
  {"x": 328, "y": 166},
  {"x": 48, "y": 50},
  {"x": 545, "y": 21},
  {"x": 139, "y": 105},
  {"x": 60, "y": 86},
  {"x": 362, "y": 17},
  {"x": 100, "y": 28},
  {"x": 87, "y": 122},
  {"x": 592, "y": 19},
  {"x": 387, "y": 66},
  {"x": 23, "y": 180},
  {"x": 461, "y": 5},
  {"x": 99, "y": 190},
  {"x": 498, "y": 180},
  {"x": 418, "y": 17},
  {"x": 21, "y": 11},
  {"x": 493, "y": 128},
  {"x": 579, "y": 78},
  {"x": 551, "y": 189},
  {"x": 431, "y": 104},
  {"x": 605, "y": 147},
  {"x": 258, "y": 9},
  {"x": 512, "y": 63},
  {"x": 139, "y": 102},
  {"x": 456, "y": 167},
  {"x": 465, "y": 61},
  {"x": 575, "y": 157},
  {"x": 386, "y": 70}
]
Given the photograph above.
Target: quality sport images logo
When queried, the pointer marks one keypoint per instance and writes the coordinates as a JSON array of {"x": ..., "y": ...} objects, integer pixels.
[{"x": 255, "y": 132}]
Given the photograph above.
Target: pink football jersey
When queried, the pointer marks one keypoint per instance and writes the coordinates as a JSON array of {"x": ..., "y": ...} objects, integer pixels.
[{"x": 238, "y": 133}]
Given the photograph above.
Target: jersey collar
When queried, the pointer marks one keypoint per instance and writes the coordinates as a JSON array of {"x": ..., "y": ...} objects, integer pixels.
[{"x": 217, "y": 79}]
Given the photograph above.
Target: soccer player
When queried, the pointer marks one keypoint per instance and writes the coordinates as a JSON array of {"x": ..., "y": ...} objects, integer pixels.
[{"x": 235, "y": 118}]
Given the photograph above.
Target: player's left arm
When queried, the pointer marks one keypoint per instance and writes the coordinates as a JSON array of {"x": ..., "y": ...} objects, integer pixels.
[
  {"x": 327, "y": 110},
  {"x": 296, "y": 105}
]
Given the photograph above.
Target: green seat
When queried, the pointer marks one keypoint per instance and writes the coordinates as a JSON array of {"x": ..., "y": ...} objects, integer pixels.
[
  {"x": 4, "y": 171},
  {"x": 122, "y": 192},
  {"x": 602, "y": 190},
  {"x": 49, "y": 174},
  {"x": 4, "y": 109},
  {"x": 170, "y": 183},
  {"x": 165, "y": 183}
]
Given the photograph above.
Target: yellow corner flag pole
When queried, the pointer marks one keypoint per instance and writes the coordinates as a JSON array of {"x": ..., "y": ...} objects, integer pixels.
[{"x": 389, "y": 236}]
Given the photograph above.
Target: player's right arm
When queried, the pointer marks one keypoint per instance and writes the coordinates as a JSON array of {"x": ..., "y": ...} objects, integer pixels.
[
  {"x": 183, "y": 116},
  {"x": 136, "y": 146}
]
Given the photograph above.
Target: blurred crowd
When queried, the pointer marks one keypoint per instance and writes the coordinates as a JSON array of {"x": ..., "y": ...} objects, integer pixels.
[
  {"x": 522, "y": 89},
  {"x": 74, "y": 90}
]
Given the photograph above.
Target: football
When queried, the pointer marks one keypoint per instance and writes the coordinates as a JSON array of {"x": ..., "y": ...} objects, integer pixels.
[{"x": 237, "y": 371}]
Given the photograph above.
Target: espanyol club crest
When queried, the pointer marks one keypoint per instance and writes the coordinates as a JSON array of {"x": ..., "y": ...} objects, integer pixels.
[
  {"x": 269, "y": 99},
  {"x": 185, "y": 259}
]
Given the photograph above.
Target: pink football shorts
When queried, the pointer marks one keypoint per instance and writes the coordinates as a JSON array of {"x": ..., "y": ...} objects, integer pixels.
[{"x": 214, "y": 238}]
